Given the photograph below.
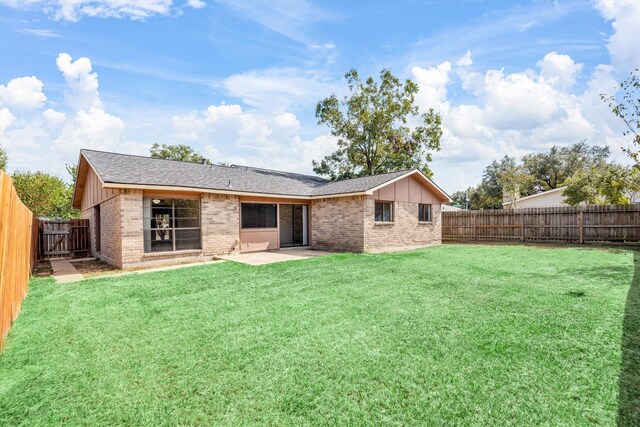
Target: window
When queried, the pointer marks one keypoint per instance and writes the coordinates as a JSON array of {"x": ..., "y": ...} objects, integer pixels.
[
  {"x": 259, "y": 215},
  {"x": 384, "y": 212},
  {"x": 424, "y": 213},
  {"x": 171, "y": 224}
]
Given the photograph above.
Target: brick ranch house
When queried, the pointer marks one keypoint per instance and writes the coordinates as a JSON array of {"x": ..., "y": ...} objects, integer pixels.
[{"x": 146, "y": 211}]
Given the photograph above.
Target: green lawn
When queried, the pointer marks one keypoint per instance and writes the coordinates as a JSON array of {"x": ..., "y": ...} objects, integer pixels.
[{"x": 455, "y": 334}]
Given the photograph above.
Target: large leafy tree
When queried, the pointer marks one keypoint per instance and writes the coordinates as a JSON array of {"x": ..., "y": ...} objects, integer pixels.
[
  {"x": 603, "y": 184},
  {"x": 550, "y": 169},
  {"x": 625, "y": 104},
  {"x": 180, "y": 152},
  {"x": 45, "y": 195},
  {"x": 3, "y": 158},
  {"x": 372, "y": 125}
]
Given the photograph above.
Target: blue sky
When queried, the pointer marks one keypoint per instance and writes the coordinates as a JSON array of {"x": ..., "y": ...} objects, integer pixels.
[{"x": 239, "y": 80}]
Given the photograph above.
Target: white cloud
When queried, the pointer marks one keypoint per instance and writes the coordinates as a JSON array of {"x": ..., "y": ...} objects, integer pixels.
[
  {"x": 90, "y": 128},
  {"x": 73, "y": 10},
  {"x": 623, "y": 45},
  {"x": 196, "y": 4},
  {"x": 47, "y": 140},
  {"x": 270, "y": 140},
  {"x": 559, "y": 70},
  {"x": 39, "y": 32},
  {"x": 517, "y": 113},
  {"x": 433, "y": 86},
  {"x": 465, "y": 60},
  {"x": 23, "y": 93},
  {"x": 290, "y": 18},
  {"x": 6, "y": 120},
  {"x": 54, "y": 118},
  {"x": 82, "y": 82},
  {"x": 280, "y": 88}
]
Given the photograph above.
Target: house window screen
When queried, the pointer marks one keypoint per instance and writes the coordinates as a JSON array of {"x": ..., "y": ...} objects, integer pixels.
[
  {"x": 384, "y": 212},
  {"x": 424, "y": 212},
  {"x": 259, "y": 215},
  {"x": 171, "y": 224}
]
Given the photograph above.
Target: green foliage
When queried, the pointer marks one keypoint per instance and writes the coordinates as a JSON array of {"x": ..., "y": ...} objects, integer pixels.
[
  {"x": 454, "y": 335},
  {"x": 45, "y": 195},
  {"x": 510, "y": 179},
  {"x": 373, "y": 131},
  {"x": 550, "y": 169},
  {"x": 625, "y": 104},
  {"x": 608, "y": 184},
  {"x": 3, "y": 158},
  {"x": 180, "y": 152}
]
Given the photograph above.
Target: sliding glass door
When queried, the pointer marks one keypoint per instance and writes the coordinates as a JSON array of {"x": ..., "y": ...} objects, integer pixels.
[{"x": 294, "y": 225}]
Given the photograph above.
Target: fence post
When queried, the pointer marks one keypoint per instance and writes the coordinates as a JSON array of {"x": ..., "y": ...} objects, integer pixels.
[
  {"x": 522, "y": 226},
  {"x": 474, "y": 226},
  {"x": 581, "y": 226}
]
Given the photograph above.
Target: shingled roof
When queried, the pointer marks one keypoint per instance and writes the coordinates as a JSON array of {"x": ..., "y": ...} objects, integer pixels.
[{"x": 117, "y": 170}]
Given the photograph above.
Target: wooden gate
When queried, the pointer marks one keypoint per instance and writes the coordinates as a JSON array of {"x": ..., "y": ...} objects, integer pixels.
[{"x": 63, "y": 239}]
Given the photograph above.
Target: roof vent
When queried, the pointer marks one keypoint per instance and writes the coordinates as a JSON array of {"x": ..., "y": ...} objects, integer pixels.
[{"x": 229, "y": 185}]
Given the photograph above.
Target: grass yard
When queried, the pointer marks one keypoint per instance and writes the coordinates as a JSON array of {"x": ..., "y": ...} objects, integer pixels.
[{"x": 455, "y": 334}]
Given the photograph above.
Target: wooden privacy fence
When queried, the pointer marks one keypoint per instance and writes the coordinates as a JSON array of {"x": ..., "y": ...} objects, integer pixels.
[
  {"x": 17, "y": 253},
  {"x": 574, "y": 224},
  {"x": 63, "y": 239}
]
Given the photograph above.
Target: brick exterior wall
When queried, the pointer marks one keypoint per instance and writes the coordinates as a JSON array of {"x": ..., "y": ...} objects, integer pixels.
[
  {"x": 404, "y": 232},
  {"x": 131, "y": 226},
  {"x": 110, "y": 229},
  {"x": 337, "y": 224},
  {"x": 220, "y": 219},
  {"x": 122, "y": 230}
]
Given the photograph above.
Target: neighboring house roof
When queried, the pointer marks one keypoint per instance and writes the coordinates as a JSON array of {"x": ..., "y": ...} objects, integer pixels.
[
  {"x": 450, "y": 208},
  {"x": 534, "y": 196},
  {"x": 127, "y": 171}
]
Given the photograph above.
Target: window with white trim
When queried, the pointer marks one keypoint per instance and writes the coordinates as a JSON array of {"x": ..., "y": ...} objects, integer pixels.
[
  {"x": 384, "y": 212},
  {"x": 424, "y": 212}
]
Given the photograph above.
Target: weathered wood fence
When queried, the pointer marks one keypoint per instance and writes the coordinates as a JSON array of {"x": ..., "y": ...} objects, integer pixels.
[
  {"x": 63, "y": 239},
  {"x": 17, "y": 253},
  {"x": 573, "y": 224}
]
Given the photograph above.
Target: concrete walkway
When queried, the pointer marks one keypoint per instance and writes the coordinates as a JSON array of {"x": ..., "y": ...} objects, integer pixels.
[
  {"x": 64, "y": 271},
  {"x": 269, "y": 257}
]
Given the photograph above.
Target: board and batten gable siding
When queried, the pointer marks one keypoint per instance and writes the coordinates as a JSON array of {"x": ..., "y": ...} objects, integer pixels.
[
  {"x": 93, "y": 194},
  {"x": 407, "y": 189}
]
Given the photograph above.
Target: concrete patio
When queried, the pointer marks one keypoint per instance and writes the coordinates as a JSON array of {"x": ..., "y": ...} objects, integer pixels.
[{"x": 270, "y": 257}]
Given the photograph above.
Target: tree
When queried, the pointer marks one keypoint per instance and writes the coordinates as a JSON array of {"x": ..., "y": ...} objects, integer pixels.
[
  {"x": 372, "y": 129},
  {"x": 180, "y": 152},
  {"x": 3, "y": 158},
  {"x": 45, "y": 195},
  {"x": 490, "y": 192},
  {"x": 515, "y": 182},
  {"x": 459, "y": 198},
  {"x": 625, "y": 104},
  {"x": 603, "y": 185},
  {"x": 551, "y": 168}
]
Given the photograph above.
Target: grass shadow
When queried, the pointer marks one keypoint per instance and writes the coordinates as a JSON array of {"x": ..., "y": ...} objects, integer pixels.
[{"x": 629, "y": 393}]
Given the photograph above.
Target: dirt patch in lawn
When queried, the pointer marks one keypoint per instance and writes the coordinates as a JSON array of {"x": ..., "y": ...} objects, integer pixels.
[
  {"x": 42, "y": 269},
  {"x": 94, "y": 268}
]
